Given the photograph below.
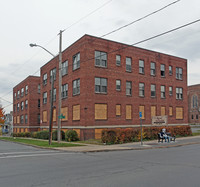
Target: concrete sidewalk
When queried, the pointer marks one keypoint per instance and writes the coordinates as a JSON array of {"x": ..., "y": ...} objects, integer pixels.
[{"x": 133, "y": 146}]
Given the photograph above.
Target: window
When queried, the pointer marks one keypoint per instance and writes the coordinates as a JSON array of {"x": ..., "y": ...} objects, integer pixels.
[
  {"x": 17, "y": 106},
  {"x": 76, "y": 112},
  {"x": 162, "y": 70},
  {"x": 118, "y": 110},
  {"x": 141, "y": 89},
  {"x": 179, "y": 73},
  {"x": 128, "y": 88},
  {"x": 53, "y": 73},
  {"x": 197, "y": 117},
  {"x": 18, "y": 94},
  {"x": 26, "y": 118},
  {"x": 128, "y": 112},
  {"x": 38, "y": 88},
  {"x": 179, "y": 113},
  {"x": 118, "y": 60},
  {"x": 15, "y": 96},
  {"x": 26, "y": 89},
  {"x": 128, "y": 64},
  {"x": 76, "y": 87},
  {"x": 192, "y": 117},
  {"x": 45, "y": 79},
  {"x": 38, "y": 118},
  {"x": 141, "y": 66},
  {"x": 14, "y": 108},
  {"x": 118, "y": 85},
  {"x": 38, "y": 103},
  {"x": 163, "y": 109},
  {"x": 141, "y": 109},
  {"x": 22, "y": 105},
  {"x": 100, "y": 85},
  {"x": 76, "y": 61},
  {"x": 179, "y": 93},
  {"x": 54, "y": 94},
  {"x": 153, "y": 69},
  {"x": 153, "y": 111},
  {"x": 170, "y": 91},
  {"x": 22, "y": 92},
  {"x": 26, "y": 104},
  {"x": 44, "y": 97},
  {"x": 100, "y": 111},
  {"x": 153, "y": 90},
  {"x": 64, "y": 68},
  {"x": 170, "y": 111},
  {"x": 162, "y": 88},
  {"x": 194, "y": 101},
  {"x": 170, "y": 70},
  {"x": 64, "y": 91},
  {"x": 100, "y": 59},
  {"x": 64, "y": 112},
  {"x": 21, "y": 119},
  {"x": 44, "y": 116}
]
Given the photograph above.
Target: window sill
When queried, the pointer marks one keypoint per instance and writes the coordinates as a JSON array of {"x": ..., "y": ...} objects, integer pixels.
[{"x": 100, "y": 66}]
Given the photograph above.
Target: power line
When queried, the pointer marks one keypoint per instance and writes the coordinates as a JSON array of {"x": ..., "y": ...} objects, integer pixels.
[
  {"x": 139, "y": 19},
  {"x": 87, "y": 15}
]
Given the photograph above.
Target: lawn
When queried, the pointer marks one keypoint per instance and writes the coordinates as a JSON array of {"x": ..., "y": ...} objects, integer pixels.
[{"x": 40, "y": 143}]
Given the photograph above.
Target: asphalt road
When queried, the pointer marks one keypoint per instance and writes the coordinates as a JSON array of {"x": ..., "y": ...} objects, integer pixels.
[{"x": 24, "y": 166}]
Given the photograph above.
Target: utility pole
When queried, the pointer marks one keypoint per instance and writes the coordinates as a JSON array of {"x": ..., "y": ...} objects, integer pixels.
[
  {"x": 60, "y": 85},
  {"x": 51, "y": 109}
]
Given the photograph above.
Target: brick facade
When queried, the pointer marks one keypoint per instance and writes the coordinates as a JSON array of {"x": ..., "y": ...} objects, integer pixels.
[
  {"x": 193, "y": 104},
  {"x": 20, "y": 124},
  {"x": 102, "y": 106}
]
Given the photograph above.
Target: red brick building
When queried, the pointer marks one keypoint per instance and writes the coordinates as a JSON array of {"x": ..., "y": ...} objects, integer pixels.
[
  {"x": 193, "y": 104},
  {"x": 105, "y": 84},
  {"x": 26, "y": 105}
]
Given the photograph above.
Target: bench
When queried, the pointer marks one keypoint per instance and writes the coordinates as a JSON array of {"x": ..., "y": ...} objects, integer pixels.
[{"x": 161, "y": 138}]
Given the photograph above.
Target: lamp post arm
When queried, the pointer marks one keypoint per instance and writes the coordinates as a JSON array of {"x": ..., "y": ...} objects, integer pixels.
[{"x": 46, "y": 50}]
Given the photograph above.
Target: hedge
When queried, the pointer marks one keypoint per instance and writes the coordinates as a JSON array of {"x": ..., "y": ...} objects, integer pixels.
[{"x": 116, "y": 136}]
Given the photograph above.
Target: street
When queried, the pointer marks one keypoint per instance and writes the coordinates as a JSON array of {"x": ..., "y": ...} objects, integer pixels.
[{"x": 26, "y": 166}]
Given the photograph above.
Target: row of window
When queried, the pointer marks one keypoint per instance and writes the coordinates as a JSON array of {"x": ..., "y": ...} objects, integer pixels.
[
  {"x": 197, "y": 116},
  {"x": 101, "y": 87},
  {"x": 17, "y": 95},
  {"x": 101, "y": 61},
  {"x": 24, "y": 119},
  {"x": 101, "y": 112}
]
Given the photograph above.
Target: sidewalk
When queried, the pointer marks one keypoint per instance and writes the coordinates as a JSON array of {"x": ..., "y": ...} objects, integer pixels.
[{"x": 133, "y": 146}]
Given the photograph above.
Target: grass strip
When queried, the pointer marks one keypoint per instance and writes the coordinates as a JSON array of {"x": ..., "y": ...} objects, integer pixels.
[{"x": 40, "y": 143}]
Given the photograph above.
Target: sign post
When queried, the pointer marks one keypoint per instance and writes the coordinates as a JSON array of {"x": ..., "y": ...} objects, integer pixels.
[{"x": 140, "y": 115}]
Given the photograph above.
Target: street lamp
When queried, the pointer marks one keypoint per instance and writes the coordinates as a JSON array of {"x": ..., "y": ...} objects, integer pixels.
[
  {"x": 35, "y": 45},
  {"x": 51, "y": 101}
]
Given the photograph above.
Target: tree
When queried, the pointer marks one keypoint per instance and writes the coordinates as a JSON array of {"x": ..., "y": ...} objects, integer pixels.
[{"x": 2, "y": 120}]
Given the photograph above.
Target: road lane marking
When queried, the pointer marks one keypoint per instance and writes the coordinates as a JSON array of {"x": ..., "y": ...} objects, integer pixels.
[
  {"x": 35, "y": 155},
  {"x": 10, "y": 153}
]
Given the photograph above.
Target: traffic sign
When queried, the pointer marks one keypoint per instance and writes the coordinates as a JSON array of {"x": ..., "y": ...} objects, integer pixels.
[
  {"x": 61, "y": 117},
  {"x": 140, "y": 114}
]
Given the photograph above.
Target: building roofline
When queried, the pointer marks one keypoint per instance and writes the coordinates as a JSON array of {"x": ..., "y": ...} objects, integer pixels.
[{"x": 30, "y": 76}]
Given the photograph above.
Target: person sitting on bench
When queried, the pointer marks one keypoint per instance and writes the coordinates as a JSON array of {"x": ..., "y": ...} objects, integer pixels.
[{"x": 164, "y": 135}]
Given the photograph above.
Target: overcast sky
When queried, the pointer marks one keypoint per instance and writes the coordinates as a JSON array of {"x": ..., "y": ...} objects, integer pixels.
[{"x": 39, "y": 21}]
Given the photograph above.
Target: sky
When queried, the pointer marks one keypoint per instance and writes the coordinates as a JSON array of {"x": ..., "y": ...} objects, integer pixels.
[{"x": 39, "y": 21}]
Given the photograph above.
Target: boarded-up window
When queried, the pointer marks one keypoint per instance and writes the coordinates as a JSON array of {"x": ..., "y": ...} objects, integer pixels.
[
  {"x": 76, "y": 112},
  {"x": 15, "y": 120},
  {"x": 170, "y": 111},
  {"x": 18, "y": 119},
  {"x": 141, "y": 109},
  {"x": 163, "y": 111},
  {"x": 44, "y": 116},
  {"x": 128, "y": 111},
  {"x": 54, "y": 114},
  {"x": 179, "y": 113},
  {"x": 100, "y": 111},
  {"x": 64, "y": 112},
  {"x": 118, "y": 110},
  {"x": 153, "y": 111}
]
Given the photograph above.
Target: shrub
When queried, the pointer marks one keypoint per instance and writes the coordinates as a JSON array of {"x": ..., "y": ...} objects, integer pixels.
[
  {"x": 27, "y": 134},
  {"x": 42, "y": 135},
  {"x": 71, "y": 135},
  {"x": 34, "y": 135},
  {"x": 113, "y": 136},
  {"x": 55, "y": 134}
]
